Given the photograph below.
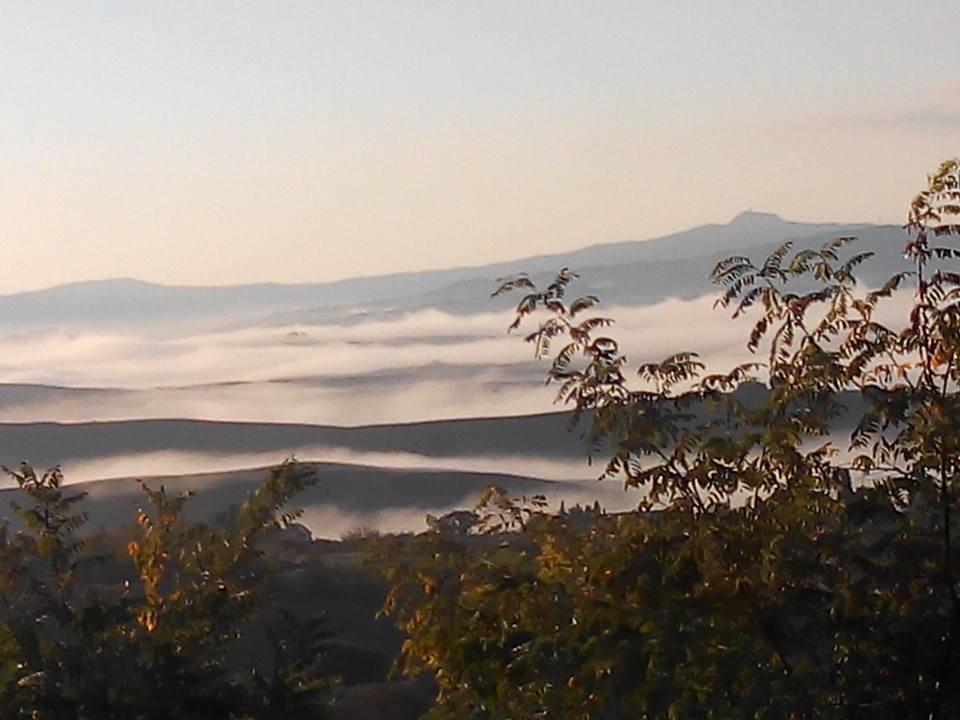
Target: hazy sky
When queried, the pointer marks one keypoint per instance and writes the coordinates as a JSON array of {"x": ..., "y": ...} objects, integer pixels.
[{"x": 221, "y": 142}]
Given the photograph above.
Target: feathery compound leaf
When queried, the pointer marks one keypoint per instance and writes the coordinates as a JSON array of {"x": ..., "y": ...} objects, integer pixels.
[
  {"x": 510, "y": 284},
  {"x": 584, "y": 303}
]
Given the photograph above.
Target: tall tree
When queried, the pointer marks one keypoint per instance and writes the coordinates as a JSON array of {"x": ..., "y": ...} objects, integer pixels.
[{"x": 769, "y": 570}]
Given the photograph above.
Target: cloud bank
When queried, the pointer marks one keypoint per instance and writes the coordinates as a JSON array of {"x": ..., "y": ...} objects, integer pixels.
[{"x": 419, "y": 366}]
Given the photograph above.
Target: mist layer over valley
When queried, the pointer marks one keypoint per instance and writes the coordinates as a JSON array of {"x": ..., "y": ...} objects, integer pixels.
[{"x": 204, "y": 387}]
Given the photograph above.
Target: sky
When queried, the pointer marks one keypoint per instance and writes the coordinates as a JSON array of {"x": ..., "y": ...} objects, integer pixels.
[{"x": 223, "y": 142}]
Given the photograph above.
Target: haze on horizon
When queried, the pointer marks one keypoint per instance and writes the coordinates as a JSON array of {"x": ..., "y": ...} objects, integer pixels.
[{"x": 233, "y": 142}]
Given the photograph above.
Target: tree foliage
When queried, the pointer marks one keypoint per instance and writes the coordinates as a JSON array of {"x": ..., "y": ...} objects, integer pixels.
[
  {"x": 771, "y": 569},
  {"x": 161, "y": 647}
]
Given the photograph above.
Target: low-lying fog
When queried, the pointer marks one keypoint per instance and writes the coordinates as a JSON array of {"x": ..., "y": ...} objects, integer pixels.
[
  {"x": 178, "y": 463},
  {"x": 416, "y": 366},
  {"x": 425, "y": 365},
  {"x": 332, "y": 522}
]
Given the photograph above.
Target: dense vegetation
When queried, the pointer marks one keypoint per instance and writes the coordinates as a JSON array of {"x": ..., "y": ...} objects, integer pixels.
[
  {"x": 769, "y": 571},
  {"x": 75, "y": 646},
  {"x": 246, "y": 617}
]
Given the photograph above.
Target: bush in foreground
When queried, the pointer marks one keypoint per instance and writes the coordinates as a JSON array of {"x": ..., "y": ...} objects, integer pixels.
[{"x": 168, "y": 644}]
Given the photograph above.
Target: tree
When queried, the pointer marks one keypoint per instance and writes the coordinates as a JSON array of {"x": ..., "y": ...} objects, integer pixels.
[
  {"x": 767, "y": 571},
  {"x": 160, "y": 648}
]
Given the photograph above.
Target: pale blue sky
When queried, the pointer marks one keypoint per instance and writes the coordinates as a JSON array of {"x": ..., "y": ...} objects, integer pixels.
[{"x": 220, "y": 142}]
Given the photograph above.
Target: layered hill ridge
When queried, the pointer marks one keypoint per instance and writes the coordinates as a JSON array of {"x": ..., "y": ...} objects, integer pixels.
[
  {"x": 627, "y": 272},
  {"x": 337, "y": 373},
  {"x": 393, "y": 475},
  {"x": 546, "y": 435}
]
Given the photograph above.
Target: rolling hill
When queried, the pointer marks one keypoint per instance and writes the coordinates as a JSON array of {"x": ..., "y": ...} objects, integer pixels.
[{"x": 633, "y": 272}]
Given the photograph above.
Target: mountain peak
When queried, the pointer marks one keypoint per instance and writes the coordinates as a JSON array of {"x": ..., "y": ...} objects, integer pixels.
[{"x": 752, "y": 218}]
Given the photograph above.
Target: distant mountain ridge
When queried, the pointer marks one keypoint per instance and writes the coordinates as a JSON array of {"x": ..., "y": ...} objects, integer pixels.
[{"x": 632, "y": 272}]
